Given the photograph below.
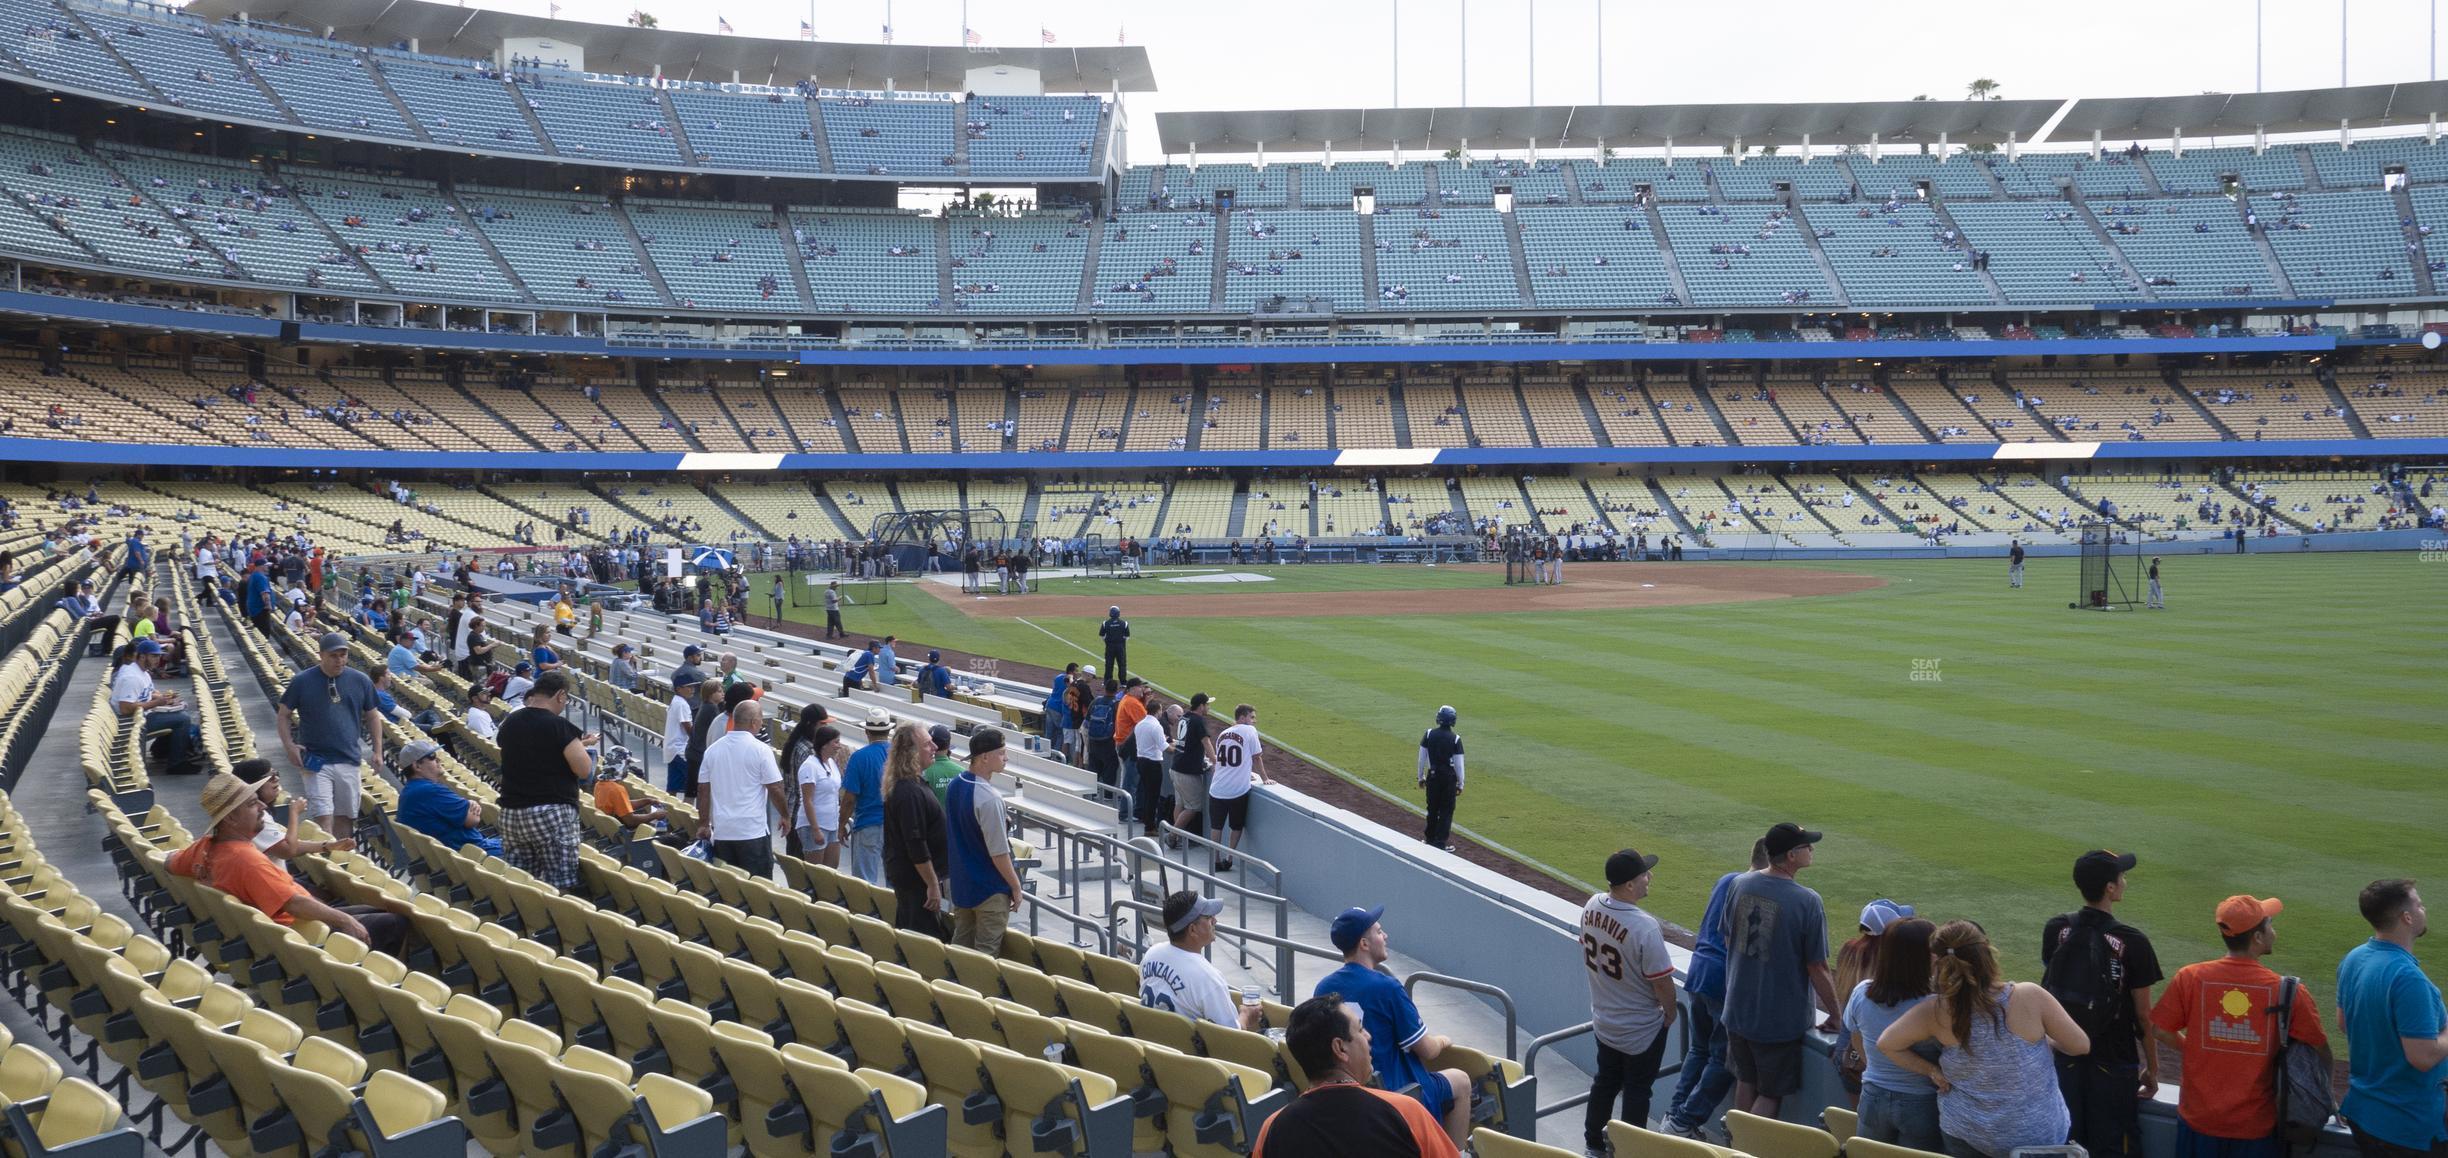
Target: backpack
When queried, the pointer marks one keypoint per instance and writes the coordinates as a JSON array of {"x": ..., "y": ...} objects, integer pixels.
[
  {"x": 1101, "y": 717},
  {"x": 2305, "y": 1103},
  {"x": 2087, "y": 975}
]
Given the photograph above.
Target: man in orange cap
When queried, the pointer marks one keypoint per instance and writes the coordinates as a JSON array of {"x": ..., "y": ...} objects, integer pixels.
[{"x": 2222, "y": 1016}]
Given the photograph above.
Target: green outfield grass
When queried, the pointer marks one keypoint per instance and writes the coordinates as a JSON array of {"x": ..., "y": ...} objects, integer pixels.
[{"x": 2279, "y": 731}]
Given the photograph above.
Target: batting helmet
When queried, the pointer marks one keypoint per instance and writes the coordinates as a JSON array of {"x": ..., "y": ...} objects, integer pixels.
[{"x": 1446, "y": 716}]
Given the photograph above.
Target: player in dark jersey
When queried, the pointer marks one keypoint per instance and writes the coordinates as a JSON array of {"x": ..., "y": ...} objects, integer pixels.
[{"x": 1440, "y": 772}]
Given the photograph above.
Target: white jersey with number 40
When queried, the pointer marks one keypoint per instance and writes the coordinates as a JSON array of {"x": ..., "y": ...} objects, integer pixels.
[{"x": 1236, "y": 752}]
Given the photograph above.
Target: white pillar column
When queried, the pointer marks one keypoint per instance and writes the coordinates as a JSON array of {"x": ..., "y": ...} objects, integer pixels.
[
  {"x": 1670, "y": 152},
  {"x": 1806, "y": 148},
  {"x": 2095, "y": 144},
  {"x": 2013, "y": 149},
  {"x": 1874, "y": 147}
]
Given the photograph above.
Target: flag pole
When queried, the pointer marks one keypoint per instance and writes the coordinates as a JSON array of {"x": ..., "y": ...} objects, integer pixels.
[
  {"x": 1465, "y": 53},
  {"x": 1530, "y": 9},
  {"x": 1395, "y": 43},
  {"x": 1598, "y": 8}
]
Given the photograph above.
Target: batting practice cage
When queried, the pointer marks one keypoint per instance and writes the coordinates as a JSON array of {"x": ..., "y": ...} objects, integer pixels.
[
  {"x": 915, "y": 542},
  {"x": 2111, "y": 567}
]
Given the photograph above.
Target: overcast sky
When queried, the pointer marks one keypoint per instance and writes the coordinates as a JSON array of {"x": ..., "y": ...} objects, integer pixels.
[{"x": 1342, "y": 53}]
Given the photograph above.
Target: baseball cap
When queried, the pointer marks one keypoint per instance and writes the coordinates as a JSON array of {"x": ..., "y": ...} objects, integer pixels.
[
  {"x": 148, "y": 646},
  {"x": 2100, "y": 868},
  {"x": 1087, "y": 669},
  {"x": 1788, "y": 836},
  {"x": 932, "y": 656},
  {"x": 523, "y": 668},
  {"x": 1199, "y": 699},
  {"x": 1626, "y": 866},
  {"x": 692, "y": 651},
  {"x": 941, "y": 734},
  {"x": 985, "y": 740},
  {"x": 878, "y": 720},
  {"x": 2243, "y": 914},
  {"x": 1133, "y": 682},
  {"x": 1879, "y": 914},
  {"x": 1352, "y": 924},
  {"x": 417, "y": 751},
  {"x": 332, "y": 641},
  {"x": 685, "y": 678},
  {"x": 1184, "y": 907}
]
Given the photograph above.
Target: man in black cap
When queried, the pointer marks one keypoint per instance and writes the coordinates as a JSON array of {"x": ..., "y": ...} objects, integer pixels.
[
  {"x": 2102, "y": 970},
  {"x": 1776, "y": 960},
  {"x": 1632, "y": 995}
]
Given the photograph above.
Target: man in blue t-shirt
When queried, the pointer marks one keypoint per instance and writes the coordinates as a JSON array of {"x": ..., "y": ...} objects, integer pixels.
[
  {"x": 432, "y": 807},
  {"x": 1775, "y": 934},
  {"x": 256, "y": 602},
  {"x": 1705, "y": 1077},
  {"x": 863, "y": 798},
  {"x": 2394, "y": 1031},
  {"x": 1399, "y": 1044}
]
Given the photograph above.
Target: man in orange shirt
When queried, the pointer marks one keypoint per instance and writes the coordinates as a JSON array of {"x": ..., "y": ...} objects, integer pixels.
[
  {"x": 2223, "y": 1016},
  {"x": 228, "y": 860},
  {"x": 1341, "y": 1112}
]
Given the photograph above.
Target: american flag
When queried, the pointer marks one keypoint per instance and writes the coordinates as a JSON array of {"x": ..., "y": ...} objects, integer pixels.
[
  {"x": 807, "y": 31},
  {"x": 1046, "y": 35},
  {"x": 722, "y": 26},
  {"x": 970, "y": 36},
  {"x": 888, "y": 34},
  {"x": 555, "y": 10}
]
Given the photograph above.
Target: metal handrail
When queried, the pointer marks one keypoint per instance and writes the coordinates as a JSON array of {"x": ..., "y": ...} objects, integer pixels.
[
  {"x": 1678, "y": 1050},
  {"x": 1284, "y": 947},
  {"x": 1214, "y": 850},
  {"x": 1504, "y": 1000}
]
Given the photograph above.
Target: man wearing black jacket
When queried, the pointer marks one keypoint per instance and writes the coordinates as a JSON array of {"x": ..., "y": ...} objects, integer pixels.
[{"x": 1115, "y": 631}]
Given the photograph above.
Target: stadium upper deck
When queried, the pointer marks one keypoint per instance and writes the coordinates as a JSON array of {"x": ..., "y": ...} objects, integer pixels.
[{"x": 2214, "y": 234}]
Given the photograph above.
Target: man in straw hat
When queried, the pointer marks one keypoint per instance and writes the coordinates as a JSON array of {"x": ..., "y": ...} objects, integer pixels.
[{"x": 226, "y": 858}]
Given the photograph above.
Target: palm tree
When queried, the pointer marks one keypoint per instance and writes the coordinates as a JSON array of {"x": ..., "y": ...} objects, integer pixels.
[
  {"x": 1983, "y": 89},
  {"x": 641, "y": 18}
]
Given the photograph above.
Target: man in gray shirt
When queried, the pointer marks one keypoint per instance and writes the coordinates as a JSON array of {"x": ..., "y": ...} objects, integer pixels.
[
  {"x": 338, "y": 724},
  {"x": 984, "y": 886},
  {"x": 1775, "y": 935}
]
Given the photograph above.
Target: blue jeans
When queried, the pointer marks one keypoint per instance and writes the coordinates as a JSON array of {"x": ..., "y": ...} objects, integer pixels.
[
  {"x": 1705, "y": 1080},
  {"x": 1908, "y": 1120},
  {"x": 180, "y": 746},
  {"x": 867, "y": 854}
]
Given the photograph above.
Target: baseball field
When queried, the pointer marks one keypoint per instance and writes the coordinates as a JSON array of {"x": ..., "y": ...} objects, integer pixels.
[{"x": 2279, "y": 730}]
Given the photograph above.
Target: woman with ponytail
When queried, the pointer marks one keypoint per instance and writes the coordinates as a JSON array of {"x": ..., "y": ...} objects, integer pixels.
[{"x": 1996, "y": 1078}]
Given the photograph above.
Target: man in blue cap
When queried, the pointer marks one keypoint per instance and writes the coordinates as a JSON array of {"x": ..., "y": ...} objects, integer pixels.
[
  {"x": 132, "y": 694},
  {"x": 1400, "y": 1045}
]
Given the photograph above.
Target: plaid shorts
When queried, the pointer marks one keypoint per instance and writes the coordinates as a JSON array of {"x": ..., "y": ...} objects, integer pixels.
[{"x": 543, "y": 841}]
